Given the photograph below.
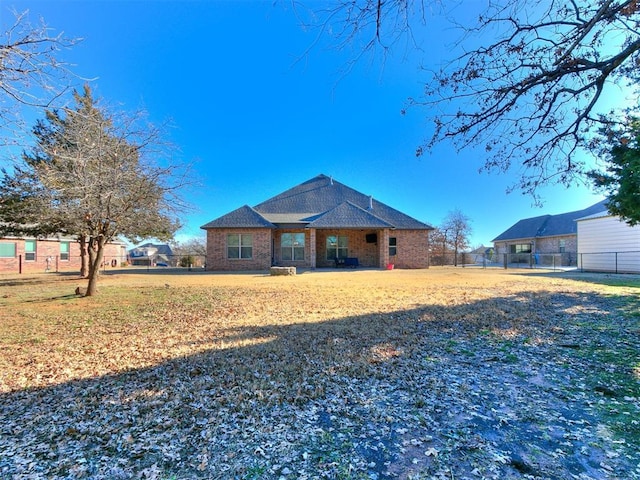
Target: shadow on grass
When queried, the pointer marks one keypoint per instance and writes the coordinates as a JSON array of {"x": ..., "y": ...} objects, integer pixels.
[
  {"x": 37, "y": 279},
  {"x": 317, "y": 397}
]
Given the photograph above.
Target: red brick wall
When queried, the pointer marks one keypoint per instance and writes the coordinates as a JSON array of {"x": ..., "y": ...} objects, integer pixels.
[
  {"x": 412, "y": 248},
  {"x": 217, "y": 250},
  {"x": 51, "y": 249},
  {"x": 366, "y": 253}
]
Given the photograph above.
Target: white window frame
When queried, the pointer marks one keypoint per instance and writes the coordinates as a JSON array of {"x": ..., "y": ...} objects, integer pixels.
[
  {"x": 30, "y": 255},
  {"x": 65, "y": 256}
]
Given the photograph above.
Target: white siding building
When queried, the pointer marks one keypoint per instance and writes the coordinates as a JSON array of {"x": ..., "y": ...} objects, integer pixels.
[{"x": 608, "y": 244}]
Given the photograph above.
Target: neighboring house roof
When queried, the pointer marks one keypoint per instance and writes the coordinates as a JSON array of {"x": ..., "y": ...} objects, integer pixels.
[
  {"x": 320, "y": 202},
  {"x": 550, "y": 225},
  {"x": 149, "y": 249},
  {"x": 602, "y": 214}
]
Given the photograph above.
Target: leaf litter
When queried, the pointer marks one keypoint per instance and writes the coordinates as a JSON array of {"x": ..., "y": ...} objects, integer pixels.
[{"x": 364, "y": 375}]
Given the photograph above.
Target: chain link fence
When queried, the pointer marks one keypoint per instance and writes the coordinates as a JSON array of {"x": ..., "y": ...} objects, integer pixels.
[
  {"x": 553, "y": 261},
  {"x": 70, "y": 263}
]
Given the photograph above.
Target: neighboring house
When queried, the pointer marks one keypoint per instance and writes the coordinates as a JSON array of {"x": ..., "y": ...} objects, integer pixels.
[
  {"x": 151, "y": 254},
  {"x": 543, "y": 238},
  {"x": 481, "y": 255},
  {"x": 59, "y": 253},
  {"x": 319, "y": 223},
  {"x": 608, "y": 244}
]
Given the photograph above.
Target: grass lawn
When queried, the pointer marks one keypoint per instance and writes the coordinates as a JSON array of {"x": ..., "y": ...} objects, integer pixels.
[{"x": 425, "y": 374}]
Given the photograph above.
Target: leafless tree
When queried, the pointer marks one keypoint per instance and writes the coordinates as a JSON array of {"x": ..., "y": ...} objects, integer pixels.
[
  {"x": 458, "y": 228},
  {"x": 31, "y": 73},
  {"x": 439, "y": 241},
  {"x": 531, "y": 84}
]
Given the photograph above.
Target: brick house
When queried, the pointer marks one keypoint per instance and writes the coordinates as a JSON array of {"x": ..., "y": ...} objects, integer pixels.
[
  {"x": 56, "y": 254},
  {"x": 533, "y": 238},
  {"x": 319, "y": 223}
]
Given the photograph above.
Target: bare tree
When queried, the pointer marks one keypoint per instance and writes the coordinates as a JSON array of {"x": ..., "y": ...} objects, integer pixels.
[
  {"x": 439, "y": 241},
  {"x": 533, "y": 93},
  {"x": 95, "y": 175},
  {"x": 191, "y": 252},
  {"x": 458, "y": 228},
  {"x": 31, "y": 73}
]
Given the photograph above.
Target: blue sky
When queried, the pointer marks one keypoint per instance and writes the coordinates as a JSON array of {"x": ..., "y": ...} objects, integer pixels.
[{"x": 259, "y": 112}]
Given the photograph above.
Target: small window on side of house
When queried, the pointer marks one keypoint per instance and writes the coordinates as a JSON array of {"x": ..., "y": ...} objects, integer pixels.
[
  {"x": 30, "y": 250},
  {"x": 64, "y": 251},
  {"x": 393, "y": 246},
  {"x": 562, "y": 246}
]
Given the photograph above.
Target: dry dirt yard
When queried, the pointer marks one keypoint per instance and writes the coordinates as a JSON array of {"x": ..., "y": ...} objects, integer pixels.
[{"x": 430, "y": 374}]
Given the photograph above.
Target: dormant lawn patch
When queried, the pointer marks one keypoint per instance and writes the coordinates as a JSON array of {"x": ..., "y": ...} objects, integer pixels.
[{"x": 438, "y": 373}]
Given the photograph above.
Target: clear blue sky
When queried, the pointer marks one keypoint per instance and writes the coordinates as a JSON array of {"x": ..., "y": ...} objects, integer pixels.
[{"x": 258, "y": 116}]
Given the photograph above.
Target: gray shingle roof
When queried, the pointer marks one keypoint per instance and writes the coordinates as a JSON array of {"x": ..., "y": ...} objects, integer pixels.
[
  {"x": 348, "y": 215},
  {"x": 549, "y": 225},
  {"x": 243, "y": 217},
  {"x": 307, "y": 204},
  {"x": 321, "y": 194}
]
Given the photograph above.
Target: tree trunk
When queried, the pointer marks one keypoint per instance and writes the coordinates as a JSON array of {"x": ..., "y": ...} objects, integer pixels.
[
  {"x": 84, "y": 260},
  {"x": 96, "y": 254}
]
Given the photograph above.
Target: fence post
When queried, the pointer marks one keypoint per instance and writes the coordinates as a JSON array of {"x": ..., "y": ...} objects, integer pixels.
[
  {"x": 19, "y": 263},
  {"x": 616, "y": 262},
  {"x": 581, "y": 263}
]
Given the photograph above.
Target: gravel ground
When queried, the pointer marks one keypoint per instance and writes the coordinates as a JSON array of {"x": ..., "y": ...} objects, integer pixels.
[{"x": 436, "y": 374}]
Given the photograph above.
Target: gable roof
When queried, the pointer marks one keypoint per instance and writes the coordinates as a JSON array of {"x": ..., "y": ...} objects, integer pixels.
[
  {"x": 549, "y": 225},
  {"x": 243, "y": 217},
  {"x": 348, "y": 215},
  {"x": 321, "y": 202}
]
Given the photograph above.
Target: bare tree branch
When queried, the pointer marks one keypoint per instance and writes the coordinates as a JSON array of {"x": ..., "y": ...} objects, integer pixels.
[
  {"x": 531, "y": 81},
  {"x": 31, "y": 73}
]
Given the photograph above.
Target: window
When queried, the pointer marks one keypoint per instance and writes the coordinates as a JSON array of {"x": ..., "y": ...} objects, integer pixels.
[
  {"x": 521, "y": 248},
  {"x": 64, "y": 250},
  {"x": 8, "y": 250},
  {"x": 562, "y": 246},
  {"x": 393, "y": 249},
  {"x": 292, "y": 246},
  {"x": 29, "y": 250},
  {"x": 337, "y": 247},
  {"x": 239, "y": 245}
]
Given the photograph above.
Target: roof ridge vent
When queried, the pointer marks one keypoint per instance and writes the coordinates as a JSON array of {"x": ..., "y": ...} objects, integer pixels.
[
  {"x": 370, "y": 202},
  {"x": 331, "y": 180}
]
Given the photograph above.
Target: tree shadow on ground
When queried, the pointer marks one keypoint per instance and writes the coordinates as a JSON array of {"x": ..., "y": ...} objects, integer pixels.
[{"x": 486, "y": 386}]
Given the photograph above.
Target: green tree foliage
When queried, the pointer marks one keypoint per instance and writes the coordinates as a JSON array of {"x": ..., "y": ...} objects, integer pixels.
[
  {"x": 621, "y": 177},
  {"x": 93, "y": 175}
]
